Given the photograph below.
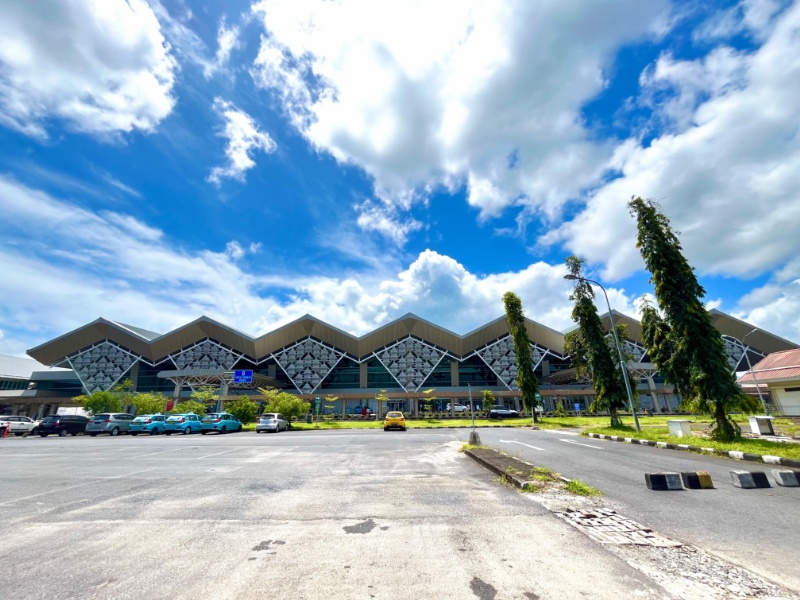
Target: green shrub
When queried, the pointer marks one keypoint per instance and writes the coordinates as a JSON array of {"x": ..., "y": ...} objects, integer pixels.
[{"x": 243, "y": 409}]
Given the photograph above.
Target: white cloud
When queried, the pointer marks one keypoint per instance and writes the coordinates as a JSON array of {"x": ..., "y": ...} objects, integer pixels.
[
  {"x": 227, "y": 41},
  {"x": 727, "y": 174},
  {"x": 475, "y": 84},
  {"x": 383, "y": 218},
  {"x": 753, "y": 17},
  {"x": 243, "y": 137},
  {"x": 101, "y": 66},
  {"x": 76, "y": 266}
]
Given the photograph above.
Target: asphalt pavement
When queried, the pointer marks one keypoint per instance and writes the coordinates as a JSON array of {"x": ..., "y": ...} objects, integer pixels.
[
  {"x": 340, "y": 514},
  {"x": 758, "y": 529}
]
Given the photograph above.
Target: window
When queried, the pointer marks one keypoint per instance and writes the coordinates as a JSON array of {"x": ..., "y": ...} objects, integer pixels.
[{"x": 792, "y": 389}]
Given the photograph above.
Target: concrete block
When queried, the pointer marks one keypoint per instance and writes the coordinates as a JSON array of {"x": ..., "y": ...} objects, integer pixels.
[
  {"x": 697, "y": 480},
  {"x": 750, "y": 479},
  {"x": 663, "y": 481},
  {"x": 786, "y": 478}
]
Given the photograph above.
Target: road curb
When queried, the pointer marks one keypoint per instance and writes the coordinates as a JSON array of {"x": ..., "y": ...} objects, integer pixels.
[
  {"x": 499, "y": 463},
  {"x": 735, "y": 454}
]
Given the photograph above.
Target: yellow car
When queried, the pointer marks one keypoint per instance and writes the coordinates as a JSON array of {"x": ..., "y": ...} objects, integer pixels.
[{"x": 394, "y": 420}]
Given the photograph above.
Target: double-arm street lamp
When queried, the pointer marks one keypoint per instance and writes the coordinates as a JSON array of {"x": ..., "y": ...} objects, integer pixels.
[
  {"x": 750, "y": 370},
  {"x": 622, "y": 361}
]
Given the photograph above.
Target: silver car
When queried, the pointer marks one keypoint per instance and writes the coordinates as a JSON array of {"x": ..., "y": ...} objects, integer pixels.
[
  {"x": 110, "y": 423},
  {"x": 271, "y": 422}
]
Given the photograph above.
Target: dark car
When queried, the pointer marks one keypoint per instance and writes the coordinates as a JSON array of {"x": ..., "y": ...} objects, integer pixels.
[
  {"x": 62, "y": 425},
  {"x": 501, "y": 412}
]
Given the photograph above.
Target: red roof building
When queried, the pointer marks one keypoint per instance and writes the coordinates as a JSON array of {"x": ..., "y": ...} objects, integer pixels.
[{"x": 780, "y": 372}]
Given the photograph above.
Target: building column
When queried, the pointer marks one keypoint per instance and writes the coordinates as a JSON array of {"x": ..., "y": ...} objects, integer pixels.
[
  {"x": 653, "y": 395},
  {"x": 415, "y": 407},
  {"x": 133, "y": 375},
  {"x": 362, "y": 375},
  {"x": 454, "y": 374},
  {"x": 344, "y": 408}
]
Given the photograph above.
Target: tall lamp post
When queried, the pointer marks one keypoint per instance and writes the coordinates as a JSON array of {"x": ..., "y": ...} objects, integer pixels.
[
  {"x": 750, "y": 371},
  {"x": 622, "y": 363}
]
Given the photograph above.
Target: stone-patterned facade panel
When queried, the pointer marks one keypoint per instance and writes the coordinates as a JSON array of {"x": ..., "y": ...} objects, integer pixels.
[
  {"x": 410, "y": 362},
  {"x": 101, "y": 366},
  {"x": 205, "y": 355},
  {"x": 307, "y": 363}
]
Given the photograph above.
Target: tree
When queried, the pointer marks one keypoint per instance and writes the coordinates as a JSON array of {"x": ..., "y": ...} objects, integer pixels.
[
  {"x": 289, "y": 405},
  {"x": 99, "y": 402},
  {"x": 487, "y": 401},
  {"x": 381, "y": 398},
  {"x": 686, "y": 344},
  {"x": 147, "y": 403},
  {"x": 206, "y": 393},
  {"x": 244, "y": 409},
  {"x": 589, "y": 349},
  {"x": 328, "y": 416},
  {"x": 526, "y": 378},
  {"x": 427, "y": 401}
]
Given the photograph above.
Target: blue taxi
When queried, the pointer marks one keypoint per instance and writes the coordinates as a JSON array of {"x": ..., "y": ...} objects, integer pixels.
[
  {"x": 220, "y": 422},
  {"x": 185, "y": 424},
  {"x": 152, "y": 424}
]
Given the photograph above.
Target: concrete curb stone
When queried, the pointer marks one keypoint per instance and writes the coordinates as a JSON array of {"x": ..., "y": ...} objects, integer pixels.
[{"x": 735, "y": 454}]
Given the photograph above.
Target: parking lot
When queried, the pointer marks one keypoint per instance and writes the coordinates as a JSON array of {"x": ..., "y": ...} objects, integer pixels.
[{"x": 350, "y": 514}]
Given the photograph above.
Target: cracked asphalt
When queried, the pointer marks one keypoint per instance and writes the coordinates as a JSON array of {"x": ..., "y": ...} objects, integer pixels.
[{"x": 340, "y": 514}]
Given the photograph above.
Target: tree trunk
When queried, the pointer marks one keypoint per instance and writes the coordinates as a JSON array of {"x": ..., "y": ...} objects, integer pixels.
[
  {"x": 615, "y": 420},
  {"x": 725, "y": 430}
]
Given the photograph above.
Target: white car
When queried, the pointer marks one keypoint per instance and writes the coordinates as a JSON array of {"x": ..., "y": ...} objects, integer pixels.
[
  {"x": 457, "y": 408},
  {"x": 19, "y": 425},
  {"x": 271, "y": 422}
]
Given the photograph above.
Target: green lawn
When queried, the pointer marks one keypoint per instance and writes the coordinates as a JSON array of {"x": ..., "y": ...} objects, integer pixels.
[{"x": 661, "y": 434}]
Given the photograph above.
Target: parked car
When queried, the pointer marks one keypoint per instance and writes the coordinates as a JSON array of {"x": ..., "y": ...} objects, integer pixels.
[
  {"x": 457, "y": 408},
  {"x": 394, "y": 420},
  {"x": 271, "y": 422},
  {"x": 185, "y": 424},
  {"x": 501, "y": 412},
  {"x": 63, "y": 425},
  {"x": 220, "y": 422},
  {"x": 152, "y": 424},
  {"x": 110, "y": 423},
  {"x": 19, "y": 425}
]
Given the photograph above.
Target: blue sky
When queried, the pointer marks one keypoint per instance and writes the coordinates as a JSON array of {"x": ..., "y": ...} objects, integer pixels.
[{"x": 256, "y": 161}]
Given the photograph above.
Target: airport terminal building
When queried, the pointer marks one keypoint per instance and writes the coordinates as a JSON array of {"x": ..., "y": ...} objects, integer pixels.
[{"x": 311, "y": 358}]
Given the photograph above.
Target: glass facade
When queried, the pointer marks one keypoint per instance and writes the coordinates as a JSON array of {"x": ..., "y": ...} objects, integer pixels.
[
  {"x": 475, "y": 372},
  {"x": 441, "y": 376},
  {"x": 13, "y": 384},
  {"x": 345, "y": 375},
  {"x": 148, "y": 380},
  {"x": 378, "y": 377}
]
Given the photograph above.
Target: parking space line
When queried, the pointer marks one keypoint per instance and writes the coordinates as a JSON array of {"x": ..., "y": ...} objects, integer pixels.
[
  {"x": 579, "y": 444},
  {"x": 522, "y": 444},
  {"x": 218, "y": 453},
  {"x": 162, "y": 452},
  {"x": 56, "y": 491}
]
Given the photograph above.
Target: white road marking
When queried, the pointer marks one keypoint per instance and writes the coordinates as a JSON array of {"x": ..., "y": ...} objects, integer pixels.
[
  {"x": 521, "y": 444},
  {"x": 218, "y": 453},
  {"x": 579, "y": 444},
  {"x": 128, "y": 474},
  {"x": 162, "y": 452},
  {"x": 559, "y": 432}
]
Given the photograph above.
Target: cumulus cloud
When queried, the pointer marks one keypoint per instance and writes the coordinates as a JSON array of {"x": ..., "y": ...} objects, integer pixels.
[
  {"x": 727, "y": 173},
  {"x": 476, "y": 84},
  {"x": 100, "y": 66},
  {"x": 244, "y": 138},
  {"x": 383, "y": 218},
  {"x": 113, "y": 265}
]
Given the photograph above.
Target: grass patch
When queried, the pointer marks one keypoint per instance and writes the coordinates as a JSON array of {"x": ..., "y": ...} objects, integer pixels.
[
  {"x": 466, "y": 447},
  {"x": 661, "y": 434},
  {"x": 581, "y": 489},
  {"x": 543, "y": 474}
]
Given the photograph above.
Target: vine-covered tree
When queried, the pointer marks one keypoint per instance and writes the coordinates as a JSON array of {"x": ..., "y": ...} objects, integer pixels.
[
  {"x": 685, "y": 344},
  {"x": 590, "y": 350},
  {"x": 149, "y": 403},
  {"x": 526, "y": 379}
]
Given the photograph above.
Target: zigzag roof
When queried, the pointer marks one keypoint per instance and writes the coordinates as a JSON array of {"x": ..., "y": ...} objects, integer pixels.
[{"x": 155, "y": 347}]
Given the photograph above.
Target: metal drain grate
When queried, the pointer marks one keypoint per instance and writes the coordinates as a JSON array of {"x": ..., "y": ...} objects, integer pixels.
[{"x": 608, "y": 527}]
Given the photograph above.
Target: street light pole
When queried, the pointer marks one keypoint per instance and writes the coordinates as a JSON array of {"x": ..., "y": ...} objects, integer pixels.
[
  {"x": 622, "y": 362},
  {"x": 471, "y": 407},
  {"x": 750, "y": 372}
]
